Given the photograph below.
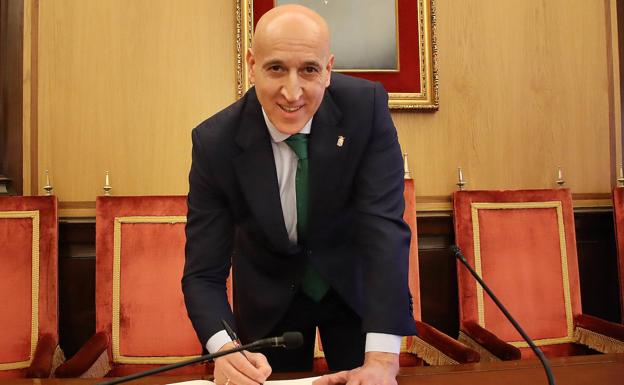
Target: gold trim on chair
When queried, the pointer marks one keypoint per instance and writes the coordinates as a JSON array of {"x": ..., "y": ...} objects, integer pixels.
[
  {"x": 429, "y": 354},
  {"x": 486, "y": 355},
  {"x": 34, "y": 323},
  {"x": 117, "y": 356},
  {"x": 597, "y": 341},
  {"x": 475, "y": 207}
]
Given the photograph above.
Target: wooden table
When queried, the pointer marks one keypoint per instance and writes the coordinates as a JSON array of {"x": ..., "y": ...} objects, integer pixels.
[{"x": 604, "y": 369}]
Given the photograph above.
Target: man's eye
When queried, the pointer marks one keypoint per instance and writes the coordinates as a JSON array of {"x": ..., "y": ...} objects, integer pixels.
[
  {"x": 275, "y": 68},
  {"x": 311, "y": 70}
]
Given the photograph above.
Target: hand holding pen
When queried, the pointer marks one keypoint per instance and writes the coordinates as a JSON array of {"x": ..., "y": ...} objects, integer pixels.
[
  {"x": 250, "y": 369},
  {"x": 233, "y": 336}
]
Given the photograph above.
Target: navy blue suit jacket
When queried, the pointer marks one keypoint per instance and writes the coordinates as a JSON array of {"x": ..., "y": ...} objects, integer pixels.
[{"x": 357, "y": 238}]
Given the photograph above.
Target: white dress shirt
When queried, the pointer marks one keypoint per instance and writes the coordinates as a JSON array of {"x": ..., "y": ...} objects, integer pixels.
[{"x": 286, "y": 167}]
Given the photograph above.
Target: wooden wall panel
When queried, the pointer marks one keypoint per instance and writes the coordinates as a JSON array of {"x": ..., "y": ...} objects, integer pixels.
[
  {"x": 617, "y": 26},
  {"x": 121, "y": 85},
  {"x": 598, "y": 264},
  {"x": 11, "y": 73},
  {"x": 525, "y": 86},
  {"x": 76, "y": 284}
]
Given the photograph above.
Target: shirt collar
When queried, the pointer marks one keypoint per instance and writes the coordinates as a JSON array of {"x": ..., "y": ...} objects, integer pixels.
[{"x": 278, "y": 136}]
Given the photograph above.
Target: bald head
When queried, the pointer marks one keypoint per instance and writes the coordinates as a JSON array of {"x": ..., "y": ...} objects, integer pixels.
[
  {"x": 290, "y": 64},
  {"x": 293, "y": 22}
]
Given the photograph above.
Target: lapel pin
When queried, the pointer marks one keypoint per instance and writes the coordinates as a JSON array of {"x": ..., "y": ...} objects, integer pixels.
[{"x": 340, "y": 141}]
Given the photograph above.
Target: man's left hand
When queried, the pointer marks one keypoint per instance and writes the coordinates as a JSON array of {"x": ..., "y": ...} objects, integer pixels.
[{"x": 378, "y": 369}]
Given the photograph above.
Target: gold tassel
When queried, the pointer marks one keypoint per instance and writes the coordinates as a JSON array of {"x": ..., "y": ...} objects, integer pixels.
[
  {"x": 100, "y": 367},
  {"x": 598, "y": 341},
  {"x": 57, "y": 359},
  {"x": 429, "y": 354},
  {"x": 486, "y": 355}
]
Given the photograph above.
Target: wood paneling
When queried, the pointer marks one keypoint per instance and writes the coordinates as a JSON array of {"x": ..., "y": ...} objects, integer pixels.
[
  {"x": 618, "y": 47},
  {"x": 612, "y": 38},
  {"x": 76, "y": 284},
  {"x": 598, "y": 267},
  {"x": 11, "y": 72},
  {"x": 121, "y": 85},
  {"x": 524, "y": 88},
  {"x": 30, "y": 99},
  {"x": 438, "y": 277}
]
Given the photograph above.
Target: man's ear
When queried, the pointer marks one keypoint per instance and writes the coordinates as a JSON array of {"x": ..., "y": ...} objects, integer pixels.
[
  {"x": 328, "y": 68},
  {"x": 251, "y": 62}
]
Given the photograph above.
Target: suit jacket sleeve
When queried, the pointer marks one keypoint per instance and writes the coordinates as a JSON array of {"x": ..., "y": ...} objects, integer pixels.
[
  {"x": 209, "y": 238},
  {"x": 383, "y": 237}
]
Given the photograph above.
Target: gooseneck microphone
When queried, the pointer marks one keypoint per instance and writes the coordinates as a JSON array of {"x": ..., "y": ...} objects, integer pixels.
[
  {"x": 538, "y": 352},
  {"x": 289, "y": 340}
]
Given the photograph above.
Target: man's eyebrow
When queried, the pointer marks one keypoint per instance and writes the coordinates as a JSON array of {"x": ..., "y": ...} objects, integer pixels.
[
  {"x": 272, "y": 62},
  {"x": 312, "y": 63}
]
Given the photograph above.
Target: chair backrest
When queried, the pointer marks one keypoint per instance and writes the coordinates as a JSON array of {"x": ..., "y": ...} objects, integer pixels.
[
  {"x": 139, "y": 262},
  {"x": 618, "y": 212},
  {"x": 28, "y": 279},
  {"x": 523, "y": 245}
]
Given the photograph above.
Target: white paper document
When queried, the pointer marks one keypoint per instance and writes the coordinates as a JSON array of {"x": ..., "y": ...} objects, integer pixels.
[{"x": 298, "y": 381}]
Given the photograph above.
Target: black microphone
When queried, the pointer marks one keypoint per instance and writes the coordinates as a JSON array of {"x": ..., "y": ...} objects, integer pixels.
[
  {"x": 289, "y": 340},
  {"x": 538, "y": 352}
]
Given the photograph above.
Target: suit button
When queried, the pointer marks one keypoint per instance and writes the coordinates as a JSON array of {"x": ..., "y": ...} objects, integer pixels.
[
  {"x": 309, "y": 253},
  {"x": 293, "y": 286}
]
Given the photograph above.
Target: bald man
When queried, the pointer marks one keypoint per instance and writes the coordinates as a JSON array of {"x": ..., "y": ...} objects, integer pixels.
[{"x": 298, "y": 186}]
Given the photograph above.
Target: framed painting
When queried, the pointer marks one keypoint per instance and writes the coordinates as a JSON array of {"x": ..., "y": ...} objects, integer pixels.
[{"x": 390, "y": 41}]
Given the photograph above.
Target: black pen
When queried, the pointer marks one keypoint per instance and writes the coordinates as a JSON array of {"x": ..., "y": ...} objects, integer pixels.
[{"x": 233, "y": 336}]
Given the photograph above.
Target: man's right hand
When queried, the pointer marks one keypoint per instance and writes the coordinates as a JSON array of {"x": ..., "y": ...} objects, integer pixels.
[{"x": 239, "y": 369}]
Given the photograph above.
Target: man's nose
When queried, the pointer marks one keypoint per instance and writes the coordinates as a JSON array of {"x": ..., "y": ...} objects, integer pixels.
[{"x": 291, "y": 89}]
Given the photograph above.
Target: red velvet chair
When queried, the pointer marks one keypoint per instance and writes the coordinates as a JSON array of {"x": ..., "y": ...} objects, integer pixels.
[
  {"x": 141, "y": 319},
  {"x": 430, "y": 346},
  {"x": 28, "y": 287},
  {"x": 523, "y": 245},
  {"x": 618, "y": 212}
]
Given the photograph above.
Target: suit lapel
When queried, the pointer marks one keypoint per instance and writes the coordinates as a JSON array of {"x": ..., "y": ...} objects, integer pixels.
[
  {"x": 328, "y": 155},
  {"x": 255, "y": 169},
  {"x": 255, "y": 166}
]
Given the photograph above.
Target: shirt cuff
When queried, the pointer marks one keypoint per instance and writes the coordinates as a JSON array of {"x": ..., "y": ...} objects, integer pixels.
[
  {"x": 217, "y": 341},
  {"x": 381, "y": 342}
]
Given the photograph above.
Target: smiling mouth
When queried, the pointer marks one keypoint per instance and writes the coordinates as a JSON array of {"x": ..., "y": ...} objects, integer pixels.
[{"x": 290, "y": 109}]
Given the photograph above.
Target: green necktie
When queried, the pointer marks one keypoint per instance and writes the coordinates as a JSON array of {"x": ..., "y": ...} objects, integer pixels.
[{"x": 313, "y": 285}]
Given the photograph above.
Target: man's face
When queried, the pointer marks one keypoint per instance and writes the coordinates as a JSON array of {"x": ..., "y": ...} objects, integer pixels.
[{"x": 290, "y": 69}]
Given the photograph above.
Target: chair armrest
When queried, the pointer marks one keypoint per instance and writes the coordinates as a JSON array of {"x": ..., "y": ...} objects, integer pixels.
[
  {"x": 448, "y": 346},
  {"x": 84, "y": 358},
  {"x": 598, "y": 325},
  {"x": 41, "y": 364},
  {"x": 491, "y": 342},
  {"x": 598, "y": 334}
]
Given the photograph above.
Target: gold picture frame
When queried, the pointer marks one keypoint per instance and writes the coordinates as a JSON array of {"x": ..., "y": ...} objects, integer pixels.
[{"x": 414, "y": 86}]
